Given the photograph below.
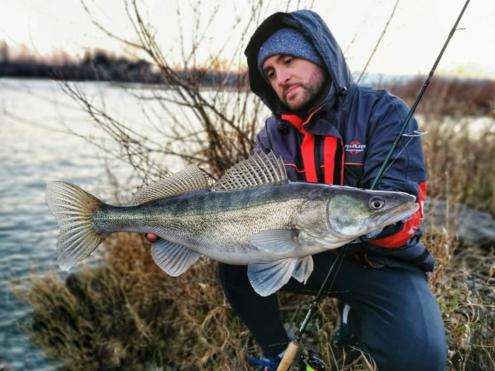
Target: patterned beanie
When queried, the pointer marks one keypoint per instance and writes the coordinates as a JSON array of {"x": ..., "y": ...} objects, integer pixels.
[{"x": 290, "y": 42}]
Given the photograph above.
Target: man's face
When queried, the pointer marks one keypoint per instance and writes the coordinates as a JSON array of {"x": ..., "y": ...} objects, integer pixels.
[{"x": 296, "y": 81}]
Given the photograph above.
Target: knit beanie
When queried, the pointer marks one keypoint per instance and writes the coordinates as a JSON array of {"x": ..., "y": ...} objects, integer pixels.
[{"x": 290, "y": 42}]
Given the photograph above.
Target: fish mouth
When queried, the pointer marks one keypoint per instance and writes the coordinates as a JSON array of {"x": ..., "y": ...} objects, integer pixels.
[
  {"x": 396, "y": 214},
  {"x": 378, "y": 220}
]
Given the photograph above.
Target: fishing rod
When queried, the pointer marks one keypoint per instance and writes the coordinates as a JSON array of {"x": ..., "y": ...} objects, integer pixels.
[{"x": 293, "y": 348}]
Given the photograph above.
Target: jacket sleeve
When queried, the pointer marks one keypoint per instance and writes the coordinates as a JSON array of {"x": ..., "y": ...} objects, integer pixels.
[{"x": 406, "y": 171}]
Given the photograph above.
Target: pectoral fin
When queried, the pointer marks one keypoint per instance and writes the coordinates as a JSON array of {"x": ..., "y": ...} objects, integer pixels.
[
  {"x": 174, "y": 259},
  {"x": 278, "y": 242},
  {"x": 267, "y": 278}
]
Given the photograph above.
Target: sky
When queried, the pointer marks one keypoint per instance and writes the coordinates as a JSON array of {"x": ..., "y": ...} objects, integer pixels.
[{"x": 413, "y": 40}]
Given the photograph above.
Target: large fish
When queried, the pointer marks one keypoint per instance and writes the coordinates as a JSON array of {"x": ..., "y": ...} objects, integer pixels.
[{"x": 253, "y": 215}]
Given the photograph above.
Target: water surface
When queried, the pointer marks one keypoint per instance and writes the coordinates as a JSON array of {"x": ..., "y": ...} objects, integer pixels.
[{"x": 34, "y": 149}]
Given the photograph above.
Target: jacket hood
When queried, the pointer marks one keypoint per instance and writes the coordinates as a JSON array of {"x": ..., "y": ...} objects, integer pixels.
[{"x": 312, "y": 26}]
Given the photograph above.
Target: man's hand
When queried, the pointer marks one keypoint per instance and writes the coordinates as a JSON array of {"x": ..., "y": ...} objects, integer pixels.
[{"x": 151, "y": 237}]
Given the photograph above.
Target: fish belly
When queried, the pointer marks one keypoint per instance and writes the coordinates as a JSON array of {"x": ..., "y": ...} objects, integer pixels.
[{"x": 224, "y": 235}]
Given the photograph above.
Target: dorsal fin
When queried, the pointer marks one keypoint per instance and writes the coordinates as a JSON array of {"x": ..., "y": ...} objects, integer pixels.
[
  {"x": 259, "y": 169},
  {"x": 192, "y": 178}
]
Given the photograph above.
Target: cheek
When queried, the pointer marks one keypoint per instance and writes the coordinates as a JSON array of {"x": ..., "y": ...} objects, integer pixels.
[
  {"x": 316, "y": 79},
  {"x": 276, "y": 88}
]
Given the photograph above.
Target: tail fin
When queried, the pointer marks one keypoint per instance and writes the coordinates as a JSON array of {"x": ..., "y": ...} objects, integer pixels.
[{"x": 73, "y": 209}]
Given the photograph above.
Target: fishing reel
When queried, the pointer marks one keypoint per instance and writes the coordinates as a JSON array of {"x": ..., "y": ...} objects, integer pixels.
[{"x": 311, "y": 362}]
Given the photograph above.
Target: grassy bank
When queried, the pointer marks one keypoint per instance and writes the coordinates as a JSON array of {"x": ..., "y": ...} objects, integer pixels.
[
  {"x": 130, "y": 315},
  {"x": 127, "y": 314}
]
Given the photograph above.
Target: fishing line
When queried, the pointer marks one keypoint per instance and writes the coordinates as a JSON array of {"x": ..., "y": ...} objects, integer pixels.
[{"x": 415, "y": 134}]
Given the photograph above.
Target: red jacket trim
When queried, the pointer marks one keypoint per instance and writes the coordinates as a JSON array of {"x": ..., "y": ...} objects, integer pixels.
[
  {"x": 307, "y": 146},
  {"x": 308, "y": 152}
]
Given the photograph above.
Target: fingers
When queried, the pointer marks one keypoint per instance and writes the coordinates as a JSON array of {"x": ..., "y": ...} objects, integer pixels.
[{"x": 151, "y": 237}]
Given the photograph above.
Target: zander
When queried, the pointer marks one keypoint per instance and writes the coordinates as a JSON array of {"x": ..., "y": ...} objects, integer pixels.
[{"x": 252, "y": 216}]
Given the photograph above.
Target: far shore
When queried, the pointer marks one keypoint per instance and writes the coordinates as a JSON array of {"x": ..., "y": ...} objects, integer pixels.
[{"x": 453, "y": 95}]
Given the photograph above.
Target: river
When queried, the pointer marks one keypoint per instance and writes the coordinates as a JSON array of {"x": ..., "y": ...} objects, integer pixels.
[{"x": 34, "y": 149}]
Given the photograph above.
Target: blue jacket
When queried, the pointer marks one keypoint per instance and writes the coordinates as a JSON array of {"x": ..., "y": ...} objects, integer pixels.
[{"x": 345, "y": 139}]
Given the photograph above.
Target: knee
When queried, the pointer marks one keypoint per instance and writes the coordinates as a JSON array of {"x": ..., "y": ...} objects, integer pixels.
[
  {"x": 424, "y": 362},
  {"x": 420, "y": 355},
  {"x": 223, "y": 274}
]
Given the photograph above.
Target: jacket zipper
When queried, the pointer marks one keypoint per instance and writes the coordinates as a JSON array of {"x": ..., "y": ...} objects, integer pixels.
[{"x": 318, "y": 157}]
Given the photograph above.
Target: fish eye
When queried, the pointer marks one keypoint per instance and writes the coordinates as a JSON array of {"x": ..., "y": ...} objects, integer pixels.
[{"x": 376, "y": 203}]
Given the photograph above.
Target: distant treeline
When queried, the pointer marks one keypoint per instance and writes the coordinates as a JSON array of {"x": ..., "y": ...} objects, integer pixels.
[
  {"x": 100, "y": 66},
  {"x": 451, "y": 95}
]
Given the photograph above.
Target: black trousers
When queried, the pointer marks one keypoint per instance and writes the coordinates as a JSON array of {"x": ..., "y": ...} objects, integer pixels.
[{"x": 394, "y": 315}]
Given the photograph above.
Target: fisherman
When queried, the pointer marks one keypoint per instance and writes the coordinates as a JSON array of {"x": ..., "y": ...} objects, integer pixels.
[{"x": 328, "y": 129}]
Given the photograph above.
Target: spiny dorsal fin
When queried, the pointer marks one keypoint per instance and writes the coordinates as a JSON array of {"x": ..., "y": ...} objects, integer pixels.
[
  {"x": 259, "y": 169},
  {"x": 192, "y": 178}
]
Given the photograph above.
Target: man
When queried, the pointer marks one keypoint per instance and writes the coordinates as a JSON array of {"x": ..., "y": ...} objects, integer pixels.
[{"x": 327, "y": 129}]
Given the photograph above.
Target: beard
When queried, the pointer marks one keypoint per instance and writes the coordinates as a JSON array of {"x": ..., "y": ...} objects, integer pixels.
[{"x": 309, "y": 96}]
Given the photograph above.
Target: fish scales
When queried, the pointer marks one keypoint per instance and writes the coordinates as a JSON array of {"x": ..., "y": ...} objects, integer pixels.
[
  {"x": 207, "y": 221},
  {"x": 197, "y": 204}
]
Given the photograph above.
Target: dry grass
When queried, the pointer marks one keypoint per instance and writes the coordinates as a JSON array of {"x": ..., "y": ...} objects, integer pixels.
[
  {"x": 128, "y": 314},
  {"x": 460, "y": 162},
  {"x": 449, "y": 96}
]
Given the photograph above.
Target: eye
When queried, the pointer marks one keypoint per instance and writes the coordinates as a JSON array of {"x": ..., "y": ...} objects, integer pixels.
[
  {"x": 270, "y": 74},
  {"x": 287, "y": 60},
  {"x": 376, "y": 203}
]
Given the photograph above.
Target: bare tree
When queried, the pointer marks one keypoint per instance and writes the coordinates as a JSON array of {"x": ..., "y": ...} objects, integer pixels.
[{"x": 213, "y": 127}]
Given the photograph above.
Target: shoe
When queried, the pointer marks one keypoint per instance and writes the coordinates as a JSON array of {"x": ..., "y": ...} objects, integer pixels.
[
  {"x": 264, "y": 364},
  {"x": 342, "y": 336}
]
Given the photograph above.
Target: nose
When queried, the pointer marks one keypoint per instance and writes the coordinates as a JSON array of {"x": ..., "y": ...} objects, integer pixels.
[{"x": 282, "y": 76}]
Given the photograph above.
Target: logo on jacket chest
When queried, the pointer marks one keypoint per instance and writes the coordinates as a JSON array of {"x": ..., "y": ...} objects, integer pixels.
[{"x": 354, "y": 147}]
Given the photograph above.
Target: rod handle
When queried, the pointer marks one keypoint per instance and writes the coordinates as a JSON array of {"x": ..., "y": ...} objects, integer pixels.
[{"x": 289, "y": 356}]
